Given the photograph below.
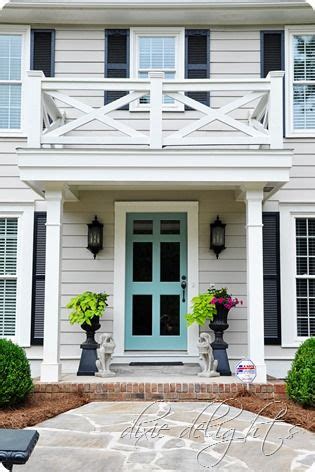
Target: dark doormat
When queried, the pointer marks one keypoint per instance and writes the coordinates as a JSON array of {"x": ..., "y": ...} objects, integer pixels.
[{"x": 138, "y": 364}]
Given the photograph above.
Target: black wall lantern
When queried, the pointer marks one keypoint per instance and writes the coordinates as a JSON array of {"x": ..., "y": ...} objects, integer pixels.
[
  {"x": 95, "y": 236},
  {"x": 217, "y": 236}
]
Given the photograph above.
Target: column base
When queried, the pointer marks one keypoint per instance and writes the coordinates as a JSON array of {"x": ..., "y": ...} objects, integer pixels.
[
  {"x": 50, "y": 372},
  {"x": 261, "y": 370}
]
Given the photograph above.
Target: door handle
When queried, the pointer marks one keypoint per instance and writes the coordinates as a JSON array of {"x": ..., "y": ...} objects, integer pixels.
[{"x": 183, "y": 286}]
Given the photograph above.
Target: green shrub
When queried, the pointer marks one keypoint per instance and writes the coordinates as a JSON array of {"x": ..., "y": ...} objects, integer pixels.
[
  {"x": 15, "y": 374},
  {"x": 300, "y": 383}
]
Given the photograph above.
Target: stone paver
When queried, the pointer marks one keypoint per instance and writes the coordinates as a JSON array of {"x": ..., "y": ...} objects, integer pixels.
[{"x": 144, "y": 436}]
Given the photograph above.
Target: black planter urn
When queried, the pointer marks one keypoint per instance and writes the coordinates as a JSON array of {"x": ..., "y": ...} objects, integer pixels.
[
  {"x": 219, "y": 346},
  {"x": 89, "y": 348}
]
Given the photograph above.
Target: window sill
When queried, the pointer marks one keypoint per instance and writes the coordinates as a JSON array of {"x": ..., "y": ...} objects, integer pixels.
[
  {"x": 296, "y": 134},
  {"x": 12, "y": 134}
]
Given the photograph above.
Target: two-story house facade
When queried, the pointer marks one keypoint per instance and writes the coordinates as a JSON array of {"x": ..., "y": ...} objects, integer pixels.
[{"x": 157, "y": 117}]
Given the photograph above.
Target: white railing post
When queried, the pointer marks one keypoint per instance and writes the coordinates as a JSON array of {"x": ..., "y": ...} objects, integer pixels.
[
  {"x": 33, "y": 107},
  {"x": 276, "y": 109},
  {"x": 156, "y": 103}
]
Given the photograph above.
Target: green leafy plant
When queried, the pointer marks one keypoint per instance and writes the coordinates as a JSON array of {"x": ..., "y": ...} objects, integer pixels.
[
  {"x": 204, "y": 305},
  {"x": 300, "y": 383},
  {"x": 15, "y": 375},
  {"x": 87, "y": 305},
  {"x": 202, "y": 309}
]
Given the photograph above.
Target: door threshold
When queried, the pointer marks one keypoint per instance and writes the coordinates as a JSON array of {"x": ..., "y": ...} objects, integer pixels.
[{"x": 143, "y": 364}]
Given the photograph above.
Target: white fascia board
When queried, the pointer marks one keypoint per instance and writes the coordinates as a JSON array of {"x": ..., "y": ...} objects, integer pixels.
[{"x": 76, "y": 167}]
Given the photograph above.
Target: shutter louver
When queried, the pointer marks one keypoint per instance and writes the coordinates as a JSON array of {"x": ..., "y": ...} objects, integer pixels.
[
  {"x": 116, "y": 60},
  {"x": 271, "y": 260},
  {"x": 8, "y": 283},
  {"x": 38, "y": 298},
  {"x": 272, "y": 57},
  {"x": 198, "y": 60},
  {"x": 43, "y": 51}
]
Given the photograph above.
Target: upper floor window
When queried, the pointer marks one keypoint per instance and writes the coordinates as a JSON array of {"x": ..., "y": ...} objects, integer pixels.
[
  {"x": 10, "y": 80},
  {"x": 159, "y": 50},
  {"x": 301, "y": 82}
]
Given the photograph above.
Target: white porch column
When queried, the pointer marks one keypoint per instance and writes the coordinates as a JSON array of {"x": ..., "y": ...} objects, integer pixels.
[
  {"x": 255, "y": 284},
  {"x": 51, "y": 367}
]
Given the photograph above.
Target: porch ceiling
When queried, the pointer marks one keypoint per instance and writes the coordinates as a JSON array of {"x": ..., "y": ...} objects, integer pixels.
[
  {"x": 155, "y": 12},
  {"x": 147, "y": 169}
]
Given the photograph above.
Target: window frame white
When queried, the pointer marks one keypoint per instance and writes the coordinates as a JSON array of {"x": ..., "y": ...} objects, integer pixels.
[
  {"x": 179, "y": 34},
  {"x": 288, "y": 215},
  {"x": 290, "y": 32},
  {"x": 25, "y": 32},
  {"x": 25, "y": 216}
]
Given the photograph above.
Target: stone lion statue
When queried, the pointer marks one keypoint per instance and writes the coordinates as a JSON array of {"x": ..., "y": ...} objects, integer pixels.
[
  {"x": 208, "y": 364},
  {"x": 106, "y": 350}
]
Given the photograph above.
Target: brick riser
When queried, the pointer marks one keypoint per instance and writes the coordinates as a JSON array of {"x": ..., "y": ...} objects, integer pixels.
[{"x": 119, "y": 391}]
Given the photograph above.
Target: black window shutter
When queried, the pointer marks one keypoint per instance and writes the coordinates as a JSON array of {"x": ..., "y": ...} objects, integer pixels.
[
  {"x": 43, "y": 51},
  {"x": 271, "y": 259},
  {"x": 272, "y": 51},
  {"x": 39, "y": 263},
  {"x": 197, "y": 60},
  {"x": 116, "y": 59}
]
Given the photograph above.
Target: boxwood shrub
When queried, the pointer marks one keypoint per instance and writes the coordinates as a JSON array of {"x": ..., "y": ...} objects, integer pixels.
[
  {"x": 15, "y": 374},
  {"x": 300, "y": 383}
]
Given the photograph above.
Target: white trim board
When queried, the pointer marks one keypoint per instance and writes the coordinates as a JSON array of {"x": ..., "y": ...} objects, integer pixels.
[{"x": 121, "y": 210}]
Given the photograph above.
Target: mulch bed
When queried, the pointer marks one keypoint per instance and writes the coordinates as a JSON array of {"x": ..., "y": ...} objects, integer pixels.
[
  {"x": 293, "y": 413},
  {"x": 34, "y": 410}
]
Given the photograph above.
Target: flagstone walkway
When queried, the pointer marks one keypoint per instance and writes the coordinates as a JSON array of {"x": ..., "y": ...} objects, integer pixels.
[{"x": 185, "y": 437}]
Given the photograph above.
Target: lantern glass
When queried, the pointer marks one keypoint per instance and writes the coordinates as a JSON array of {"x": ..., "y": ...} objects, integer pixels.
[
  {"x": 95, "y": 236},
  {"x": 217, "y": 236}
]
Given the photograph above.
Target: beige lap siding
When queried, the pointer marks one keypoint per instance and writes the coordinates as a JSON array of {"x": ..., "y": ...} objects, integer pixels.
[{"x": 80, "y": 272}]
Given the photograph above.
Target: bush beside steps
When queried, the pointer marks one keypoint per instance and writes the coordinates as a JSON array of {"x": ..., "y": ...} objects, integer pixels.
[
  {"x": 300, "y": 383},
  {"x": 15, "y": 374}
]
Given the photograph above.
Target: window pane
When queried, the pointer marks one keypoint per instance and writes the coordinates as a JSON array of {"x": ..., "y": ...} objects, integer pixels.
[
  {"x": 142, "y": 315},
  {"x": 311, "y": 246},
  {"x": 301, "y": 227},
  {"x": 301, "y": 305},
  {"x": 8, "y": 246},
  {"x": 142, "y": 262},
  {"x": 170, "y": 227},
  {"x": 7, "y": 307},
  {"x": 170, "y": 315},
  {"x": 143, "y": 227},
  {"x": 170, "y": 262},
  {"x": 301, "y": 265},
  {"x": 10, "y": 106},
  {"x": 311, "y": 227},
  {"x": 304, "y": 57},
  {"x": 156, "y": 52},
  {"x": 301, "y": 247},
  {"x": 311, "y": 287},
  {"x": 311, "y": 270},
  {"x": 10, "y": 57},
  {"x": 302, "y": 326},
  {"x": 304, "y": 106},
  {"x": 301, "y": 288}
]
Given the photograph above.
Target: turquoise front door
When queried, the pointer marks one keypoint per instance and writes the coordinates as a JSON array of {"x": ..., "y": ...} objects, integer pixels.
[{"x": 156, "y": 272}]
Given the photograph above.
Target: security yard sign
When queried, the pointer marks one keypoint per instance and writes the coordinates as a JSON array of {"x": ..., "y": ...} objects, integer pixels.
[{"x": 246, "y": 371}]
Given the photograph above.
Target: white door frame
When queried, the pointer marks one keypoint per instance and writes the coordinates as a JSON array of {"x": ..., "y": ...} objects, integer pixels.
[{"x": 121, "y": 210}]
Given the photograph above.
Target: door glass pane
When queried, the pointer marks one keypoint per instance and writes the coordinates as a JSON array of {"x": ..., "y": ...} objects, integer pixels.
[
  {"x": 142, "y": 315},
  {"x": 170, "y": 227},
  {"x": 169, "y": 315},
  {"x": 170, "y": 262},
  {"x": 142, "y": 262},
  {"x": 142, "y": 227}
]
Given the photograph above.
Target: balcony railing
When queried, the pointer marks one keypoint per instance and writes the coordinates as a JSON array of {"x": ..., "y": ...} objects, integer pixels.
[{"x": 71, "y": 112}]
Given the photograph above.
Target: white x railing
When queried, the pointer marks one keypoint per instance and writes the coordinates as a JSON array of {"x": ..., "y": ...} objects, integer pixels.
[{"x": 59, "y": 112}]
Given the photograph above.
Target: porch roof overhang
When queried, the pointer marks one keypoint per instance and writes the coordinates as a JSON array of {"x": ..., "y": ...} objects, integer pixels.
[
  {"x": 146, "y": 169},
  {"x": 156, "y": 12}
]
